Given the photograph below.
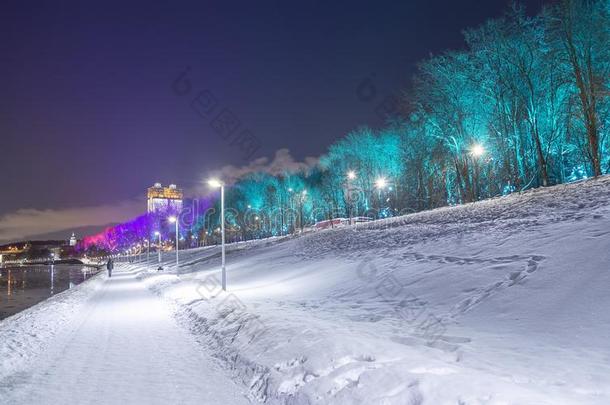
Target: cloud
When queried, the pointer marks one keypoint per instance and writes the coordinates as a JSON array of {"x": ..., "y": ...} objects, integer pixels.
[
  {"x": 282, "y": 162},
  {"x": 25, "y": 223}
]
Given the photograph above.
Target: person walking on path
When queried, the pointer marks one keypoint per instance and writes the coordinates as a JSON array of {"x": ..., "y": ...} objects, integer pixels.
[{"x": 110, "y": 266}]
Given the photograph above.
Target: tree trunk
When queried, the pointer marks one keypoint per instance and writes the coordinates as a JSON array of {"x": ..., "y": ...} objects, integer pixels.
[
  {"x": 541, "y": 161},
  {"x": 586, "y": 93}
]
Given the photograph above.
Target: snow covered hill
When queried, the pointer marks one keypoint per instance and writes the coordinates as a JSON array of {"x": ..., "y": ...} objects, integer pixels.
[{"x": 504, "y": 301}]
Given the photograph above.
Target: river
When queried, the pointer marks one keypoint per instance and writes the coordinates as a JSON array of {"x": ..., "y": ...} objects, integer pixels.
[{"x": 22, "y": 287}]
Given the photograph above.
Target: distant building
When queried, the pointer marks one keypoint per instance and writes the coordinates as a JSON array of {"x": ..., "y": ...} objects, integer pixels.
[
  {"x": 16, "y": 248},
  {"x": 35, "y": 250},
  {"x": 164, "y": 198},
  {"x": 73, "y": 240}
]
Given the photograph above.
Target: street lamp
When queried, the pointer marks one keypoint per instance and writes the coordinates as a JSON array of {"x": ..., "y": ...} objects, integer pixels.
[
  {"x": 147, "y": 250},
  {"x": 52, "y": 272},
  {"x": 293, "y": 216},
  {"x": 351, "y": 175},
  {"x": 157, "y": 233},
  {"x": 477, "y": 150},
  {"x": 174, "y": 220},
  {"x": 301, "y": 199},
  {"x": 381, "y": 183},
  {"x": 218, "y": 184}
]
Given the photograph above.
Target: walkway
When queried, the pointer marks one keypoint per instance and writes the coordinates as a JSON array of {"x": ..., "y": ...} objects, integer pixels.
[{"x": 125, "y": 348}]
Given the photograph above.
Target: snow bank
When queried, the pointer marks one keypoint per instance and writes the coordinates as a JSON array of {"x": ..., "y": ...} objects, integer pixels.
[
  {"x": 498, "y": 302},
  {"x": 25, "y": 335}
]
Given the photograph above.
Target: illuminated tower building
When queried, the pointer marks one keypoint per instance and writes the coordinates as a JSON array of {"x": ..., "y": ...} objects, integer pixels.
[
  {"x": 73, "y": 240},
  {"x": 164, "y": 198}
]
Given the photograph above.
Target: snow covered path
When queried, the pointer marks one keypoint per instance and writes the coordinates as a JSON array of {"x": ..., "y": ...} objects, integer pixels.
[{"x": 125, "y": 347}]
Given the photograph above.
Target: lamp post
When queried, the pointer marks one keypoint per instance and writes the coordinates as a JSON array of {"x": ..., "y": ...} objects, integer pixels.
[
  {"x": 381, "y": 184},
  {"x": 157, "y": 233},
  {"x": 351, "y": 175},
  {"x": 218, "y": 184},
  {"x": 301, "y": 199},
  {"x": 174, "y": 220},
  {"x": 292, "y": 213},
  {"x": 476, "y": 151},
  {"x": 52, "y": 272},
  {"x": 147, "y": 250}
]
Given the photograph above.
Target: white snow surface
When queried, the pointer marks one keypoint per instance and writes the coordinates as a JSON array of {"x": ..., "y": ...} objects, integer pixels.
[
  {"x": 119, "y": 344},
  {"x": 504, "y": 301}
]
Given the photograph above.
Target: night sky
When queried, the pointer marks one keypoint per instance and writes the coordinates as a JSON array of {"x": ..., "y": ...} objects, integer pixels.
[{"x": 88, "y": 117}]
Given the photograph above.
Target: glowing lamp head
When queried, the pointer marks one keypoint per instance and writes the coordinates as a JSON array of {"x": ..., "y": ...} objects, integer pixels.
[
  {"x": 172, "y": 219},
  {"x": 157, "y": 233},
  {"x": 351, "y": 175},
  {"x": 477, "y": 150},
  {"x": 214, "y": 183},
  {"x": 381, "y": 182}
]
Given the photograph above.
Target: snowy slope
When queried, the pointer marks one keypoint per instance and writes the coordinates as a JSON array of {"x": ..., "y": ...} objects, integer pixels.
[
  {"x": 499, "y": 302},
  {"x": 503, "y": 301}
]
